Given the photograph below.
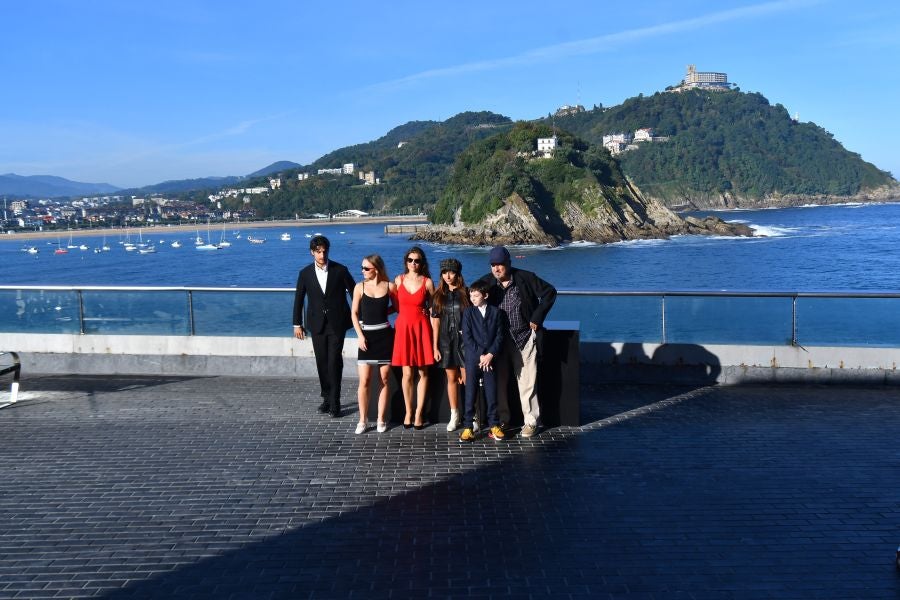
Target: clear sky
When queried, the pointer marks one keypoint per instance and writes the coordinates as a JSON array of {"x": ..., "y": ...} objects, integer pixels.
[{"x": 138, "y": 92}]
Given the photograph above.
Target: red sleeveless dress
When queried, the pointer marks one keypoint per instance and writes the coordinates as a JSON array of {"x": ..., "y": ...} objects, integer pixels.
[{"x": 412, "y": 330}]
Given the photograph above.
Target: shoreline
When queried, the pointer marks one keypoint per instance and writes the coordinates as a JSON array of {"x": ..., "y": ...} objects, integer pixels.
[{"x": 213, "y": 227}]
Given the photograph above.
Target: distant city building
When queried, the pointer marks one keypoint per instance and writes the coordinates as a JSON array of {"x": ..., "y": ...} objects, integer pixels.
[
  {"x": 302, "y": 176},
  {"x": 275, "y": 183},
  {"x": 370, "y": 178},
  {"x": 348, "y": 168},
  {"x": 706, "y": 80},
  {"x": 352, "y": 213},
  {"x": 401, "y": 144},
  {"x": 18, "y": 206},
  {"x": 617, "y": 143},
  {"x": 566, "y": 110},
  {"x": 330, "y": 172}
]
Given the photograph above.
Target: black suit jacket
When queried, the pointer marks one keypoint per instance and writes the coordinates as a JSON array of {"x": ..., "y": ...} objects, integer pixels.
[
  {"x": 482, "y": 335},
  {"x": 328, "y": 311}
]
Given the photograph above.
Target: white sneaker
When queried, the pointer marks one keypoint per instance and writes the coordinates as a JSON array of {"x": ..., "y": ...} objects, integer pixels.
[
  {"x": 382, "y": 427},
  {"x": 454, "y": 420},
  {"x": 361, "y": 428}
]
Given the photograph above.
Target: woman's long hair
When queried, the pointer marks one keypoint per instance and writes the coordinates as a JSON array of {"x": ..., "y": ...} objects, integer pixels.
[
  {"x": 443, "y": 292},
  {"x": 376, "y": 261},
  {"x": 423, "y": 266}
]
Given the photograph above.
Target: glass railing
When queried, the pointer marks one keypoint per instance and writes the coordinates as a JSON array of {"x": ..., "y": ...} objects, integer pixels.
[{"x": 682, "y": 317}]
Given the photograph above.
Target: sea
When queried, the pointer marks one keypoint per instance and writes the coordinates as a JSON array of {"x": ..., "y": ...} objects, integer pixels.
[{"x": 851, "y": 247}]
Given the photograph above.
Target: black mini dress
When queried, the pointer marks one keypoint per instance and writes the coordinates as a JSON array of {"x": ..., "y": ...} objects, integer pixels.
[{"x": 379, "y": 334}]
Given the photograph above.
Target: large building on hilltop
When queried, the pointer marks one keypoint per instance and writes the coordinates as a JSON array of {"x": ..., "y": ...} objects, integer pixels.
[{"x": 706, "y": 80}]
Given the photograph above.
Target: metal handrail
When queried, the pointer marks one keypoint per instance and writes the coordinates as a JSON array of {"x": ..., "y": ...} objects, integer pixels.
[
  {"x": 562, "y": 292},
  {"x": 662, "y": 296}
]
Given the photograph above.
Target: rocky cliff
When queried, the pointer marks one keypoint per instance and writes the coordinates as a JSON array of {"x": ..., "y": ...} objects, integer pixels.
[
  {"x": 724, "y": 201},
  {"x": 628, "y": 216}
]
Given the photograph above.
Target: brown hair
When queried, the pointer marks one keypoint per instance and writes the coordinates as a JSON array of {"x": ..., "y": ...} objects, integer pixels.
[
  {"x": 376, "y": 261},
  {"x": 443, "y": 291},
  {"x": 423, "y": 266}
]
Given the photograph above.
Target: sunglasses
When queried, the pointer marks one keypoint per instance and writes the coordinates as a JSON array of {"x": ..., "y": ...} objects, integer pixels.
[
  {"x": 417, "y": 261},
  {"x": 367, "y": 269}
]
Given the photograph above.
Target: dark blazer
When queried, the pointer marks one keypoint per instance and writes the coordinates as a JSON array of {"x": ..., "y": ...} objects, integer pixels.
[
  {"x": 482, "y": 335},
  {"x": 537, "y": 295},
  {"x": 329, "y": 311}
]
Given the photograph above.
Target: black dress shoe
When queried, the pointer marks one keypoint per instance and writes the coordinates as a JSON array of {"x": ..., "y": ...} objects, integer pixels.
[
  {"x": 335, "y": 412},
  {"x": 323, "y": 408}
]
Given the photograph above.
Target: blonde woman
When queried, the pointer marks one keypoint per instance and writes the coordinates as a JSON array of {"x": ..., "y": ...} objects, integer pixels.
[
  {"x": 413, "y": 349},
  {"x": 372, "y": 303}
]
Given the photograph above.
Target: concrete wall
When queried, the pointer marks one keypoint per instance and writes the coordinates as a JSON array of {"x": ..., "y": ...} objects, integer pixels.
[{"x": 197, "y": 355}]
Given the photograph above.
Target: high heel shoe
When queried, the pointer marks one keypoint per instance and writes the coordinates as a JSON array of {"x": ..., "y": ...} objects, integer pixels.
[{"x": 407, "y": 425}]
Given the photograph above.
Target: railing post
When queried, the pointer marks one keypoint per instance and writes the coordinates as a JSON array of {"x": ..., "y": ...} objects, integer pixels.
[
  {"x": 794, "y": 320},
  {"x": 663, "y": 303},
  {"x": 80, "y": 312},
  {"x": 191, "y": 310}
]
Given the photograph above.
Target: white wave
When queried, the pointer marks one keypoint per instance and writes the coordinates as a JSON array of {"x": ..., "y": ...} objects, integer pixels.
[
  {"x": 772, "y": 231},
  {"x": 737, "y": 221},
  {"x": 639, "y": 243}
]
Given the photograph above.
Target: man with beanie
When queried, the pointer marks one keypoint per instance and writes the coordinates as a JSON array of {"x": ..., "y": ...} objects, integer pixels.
[{"x": 526, "y": 299}]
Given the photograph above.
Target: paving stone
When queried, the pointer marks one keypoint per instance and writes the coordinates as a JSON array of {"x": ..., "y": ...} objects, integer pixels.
[{"x": 146, "y": 487}]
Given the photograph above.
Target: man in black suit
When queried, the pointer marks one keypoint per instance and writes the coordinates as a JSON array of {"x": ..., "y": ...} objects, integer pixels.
[{"x": 324, "y": 285}]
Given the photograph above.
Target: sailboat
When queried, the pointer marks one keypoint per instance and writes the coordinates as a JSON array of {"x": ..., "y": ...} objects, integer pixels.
[
  {"x": 59, "y": 248},
  {"x": 208, "y": 245},
  {"x": 71, "y": 243},
  {"x": 223, "y": 243},
  {"x": 105, "y": 246}
]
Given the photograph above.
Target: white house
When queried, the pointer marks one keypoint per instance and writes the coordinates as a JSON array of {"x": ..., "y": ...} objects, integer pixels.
[{"x": 348, "y": 168}]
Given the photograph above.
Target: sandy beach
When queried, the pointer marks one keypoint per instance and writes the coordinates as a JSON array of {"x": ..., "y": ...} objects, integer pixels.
[{"x": 229, "y": 225}]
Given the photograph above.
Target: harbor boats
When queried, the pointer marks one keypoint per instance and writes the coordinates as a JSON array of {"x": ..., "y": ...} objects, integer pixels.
[
  {"x": 206, "y": 247},
  {"x": 147, "y": 249},
  {"x": 254, "y": 240},
  {"x": 59, "y": 248},
  {"x": 285, "y": 237},
  {"x": 31, "y": 250},
  {"x": 176, "y": 244},
  {"x": 223, "y": 243},
  {"x": 83, "y": 247}
]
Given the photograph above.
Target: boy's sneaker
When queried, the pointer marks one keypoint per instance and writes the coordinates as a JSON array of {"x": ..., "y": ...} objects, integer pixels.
[
  {"x": 528, "y": 431},
  {"x": 475, "y": 426},
  {"x": 497, "y": 434},
  {"x": 467, "y": 435}
]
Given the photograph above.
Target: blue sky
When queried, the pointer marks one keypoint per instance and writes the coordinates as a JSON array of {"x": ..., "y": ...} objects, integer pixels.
[{"x": 134, "y": 93}]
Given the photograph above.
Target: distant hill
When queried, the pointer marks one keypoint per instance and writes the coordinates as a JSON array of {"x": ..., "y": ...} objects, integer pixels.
[
  {"x": 179, "y": 186},
  {"x": 504, "y": 191},
  {"x": 275, "y": 167},
  {"x": 727, "y": 149},
  {"x": 48, "y": 186},
  {"x": 413, "y": 161}
]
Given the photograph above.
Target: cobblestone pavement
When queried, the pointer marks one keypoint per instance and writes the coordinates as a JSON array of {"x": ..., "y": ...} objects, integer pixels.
[{"x": 237, "y": 488}]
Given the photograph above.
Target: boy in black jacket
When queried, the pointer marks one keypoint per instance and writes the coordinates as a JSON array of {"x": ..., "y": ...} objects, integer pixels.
[{"x": 483, "y": 331}]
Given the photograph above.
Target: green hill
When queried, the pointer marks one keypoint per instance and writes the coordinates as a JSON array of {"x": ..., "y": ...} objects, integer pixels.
[
  {"x": 727, "y": 144},
  {"x": 412, "y": 176},
  {"x": 491, "y": 170}
]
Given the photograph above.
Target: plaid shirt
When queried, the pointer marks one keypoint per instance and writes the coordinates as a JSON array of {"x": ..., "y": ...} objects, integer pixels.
[{"x": 519, "y": 329}]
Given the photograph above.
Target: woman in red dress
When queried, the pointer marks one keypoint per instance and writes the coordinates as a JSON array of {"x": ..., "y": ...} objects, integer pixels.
[{"x": 412, "y": 332}]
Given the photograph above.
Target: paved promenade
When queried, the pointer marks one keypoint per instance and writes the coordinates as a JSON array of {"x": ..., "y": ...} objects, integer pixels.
[{"x": 237, "y": 488}]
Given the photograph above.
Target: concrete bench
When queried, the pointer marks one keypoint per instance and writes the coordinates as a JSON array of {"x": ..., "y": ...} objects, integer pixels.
[{"x": 16, "y": 370}]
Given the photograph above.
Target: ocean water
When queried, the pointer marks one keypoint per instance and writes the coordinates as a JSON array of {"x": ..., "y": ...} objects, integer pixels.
[{"x": 828, "y": 248}]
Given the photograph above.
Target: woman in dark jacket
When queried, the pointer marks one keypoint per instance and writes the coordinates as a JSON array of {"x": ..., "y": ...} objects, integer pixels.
[{"x": 448, "y": 302}]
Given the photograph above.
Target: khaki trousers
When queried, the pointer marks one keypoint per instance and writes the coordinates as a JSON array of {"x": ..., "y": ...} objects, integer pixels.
[{"x": 521, "y": 364}]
